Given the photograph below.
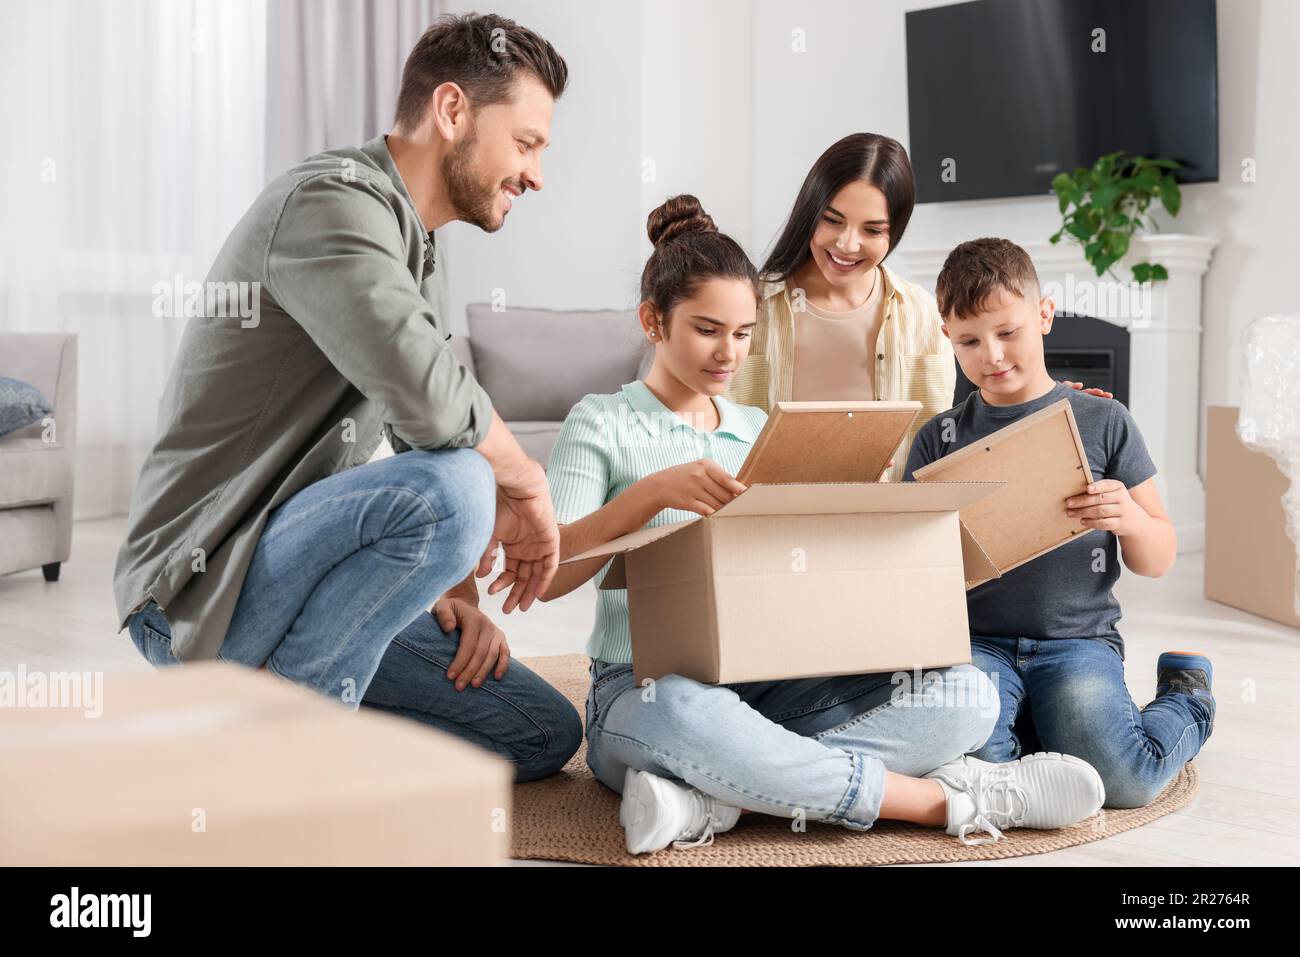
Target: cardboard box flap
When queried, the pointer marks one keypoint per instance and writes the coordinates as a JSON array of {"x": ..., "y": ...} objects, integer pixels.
[
  {"x": 616, "y": 577},
  {"x": 976, "y": 564},
  {"x": 832, "y": 498},
  {"x": 827, "y": 442},
  {"x": 626, "y": 543}
]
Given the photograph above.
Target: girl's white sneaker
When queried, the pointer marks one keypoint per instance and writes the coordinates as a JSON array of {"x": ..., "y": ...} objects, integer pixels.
[{"x": 657, "y": 812}]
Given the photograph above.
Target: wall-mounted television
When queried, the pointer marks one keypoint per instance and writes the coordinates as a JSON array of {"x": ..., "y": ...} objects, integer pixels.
[{"x": 1005, "y": 94}]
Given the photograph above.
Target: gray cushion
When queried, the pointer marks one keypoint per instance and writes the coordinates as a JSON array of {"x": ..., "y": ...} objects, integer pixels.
[
  {"x": 461, "y": 350},
  {"x": 536, "y": 438},
  {"x": 20, "y": 405},
  {"x": 536, "y": 363}
]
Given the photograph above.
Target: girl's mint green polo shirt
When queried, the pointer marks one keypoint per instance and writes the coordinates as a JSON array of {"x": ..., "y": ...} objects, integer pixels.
[{"x": 609, "y": 442}]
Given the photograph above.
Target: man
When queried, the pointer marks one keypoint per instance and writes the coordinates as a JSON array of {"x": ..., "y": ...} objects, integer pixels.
[{"x": 258, "y": 533}]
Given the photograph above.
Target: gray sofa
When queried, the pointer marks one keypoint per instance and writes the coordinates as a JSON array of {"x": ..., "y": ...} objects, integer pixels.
[
  {"x": 536, "y": 363},
  {"x": 35, "y": 474}
]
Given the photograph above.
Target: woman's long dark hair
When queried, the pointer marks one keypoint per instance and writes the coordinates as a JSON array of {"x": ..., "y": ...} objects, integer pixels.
[{"x": 879, "y": 160}]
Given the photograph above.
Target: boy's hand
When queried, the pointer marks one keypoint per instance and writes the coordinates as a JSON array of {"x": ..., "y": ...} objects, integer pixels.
[
  {"x": 1108, "y": 506},
  {"x": 1097, "y": 392},
  {"x": 701, "y": 487}
]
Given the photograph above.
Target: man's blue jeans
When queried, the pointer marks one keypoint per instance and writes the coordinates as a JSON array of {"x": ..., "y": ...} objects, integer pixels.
[
  {"x": 1068, "y": 695},
  {"x": 337, "y": 596}
]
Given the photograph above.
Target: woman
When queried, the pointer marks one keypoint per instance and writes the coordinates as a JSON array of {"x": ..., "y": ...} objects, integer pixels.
[
  {"x": 834, "y": 323},
  {"x": 688, "y": 757}
]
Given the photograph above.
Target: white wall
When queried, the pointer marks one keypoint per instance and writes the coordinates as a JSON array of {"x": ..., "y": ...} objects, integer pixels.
[
  {"x": 1252, "y": 272},
  {"x": 821, "y": 71},
  {"x": 665, "y": 81},
  {"x": 854, "y": 77},
  {"x": 574, "y": 244},
  {"x": 717, "y": 96},
  {"x": 697, "y": 90}
]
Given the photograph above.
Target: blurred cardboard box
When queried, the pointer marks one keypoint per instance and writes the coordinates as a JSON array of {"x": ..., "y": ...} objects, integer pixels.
[
  {"x": 214, "y": 764},
  {"x": 1250, "y": 563}
]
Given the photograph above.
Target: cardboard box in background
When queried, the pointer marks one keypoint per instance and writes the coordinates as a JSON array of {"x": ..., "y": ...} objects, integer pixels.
[
  {"x": 802, "y": 580},
  {"x": 275, "y": 773},
  {"x": 1250, "y": 563}
]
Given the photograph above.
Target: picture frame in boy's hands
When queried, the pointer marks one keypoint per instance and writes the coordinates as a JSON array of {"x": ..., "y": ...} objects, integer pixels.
[
  {"x": 1042, "y": 461},
  {"x": 828, "y": 442}
]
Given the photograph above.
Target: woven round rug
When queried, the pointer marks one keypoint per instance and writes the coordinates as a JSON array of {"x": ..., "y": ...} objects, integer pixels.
[{"x": 571, "y": 816}]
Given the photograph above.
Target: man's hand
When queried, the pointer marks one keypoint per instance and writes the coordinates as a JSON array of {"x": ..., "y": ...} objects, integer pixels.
[
  {"x": 1108, "y": 506},
  {"x": 482, "y": 647},
  {"x": 1079, "y": 385},
  {"x": 466, "y": 591},
  {"x": 526, "y": 531}
]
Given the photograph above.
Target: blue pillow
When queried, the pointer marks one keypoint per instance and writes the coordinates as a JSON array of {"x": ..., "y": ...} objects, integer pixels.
[{"x": 20, "y": 405}]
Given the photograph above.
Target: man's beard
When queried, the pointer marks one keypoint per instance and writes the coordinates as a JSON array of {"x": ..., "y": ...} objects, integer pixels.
[{"x": 474, "y": 202}]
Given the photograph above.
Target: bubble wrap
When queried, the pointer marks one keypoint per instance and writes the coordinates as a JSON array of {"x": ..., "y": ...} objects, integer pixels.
[{"x": 1269, "y": 421}]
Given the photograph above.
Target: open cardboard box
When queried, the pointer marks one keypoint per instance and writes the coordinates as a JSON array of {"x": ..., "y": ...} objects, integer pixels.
[{"x": 803, "y": 578}]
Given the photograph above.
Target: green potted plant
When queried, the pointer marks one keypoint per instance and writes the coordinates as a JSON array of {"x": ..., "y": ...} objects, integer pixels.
[{"x": 1104, "y": 206}]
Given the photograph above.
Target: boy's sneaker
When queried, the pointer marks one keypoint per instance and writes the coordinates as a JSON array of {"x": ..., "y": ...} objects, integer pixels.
[
  {"x": 657, "y": 812},
  {"x": 1186, "y": 672},
  {"x": 1043, "y": 790}
]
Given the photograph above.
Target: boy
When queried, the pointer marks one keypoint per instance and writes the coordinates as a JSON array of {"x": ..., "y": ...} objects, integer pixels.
[{"x": 1045, "y": 632}]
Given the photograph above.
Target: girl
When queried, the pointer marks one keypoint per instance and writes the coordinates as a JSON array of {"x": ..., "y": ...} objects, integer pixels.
[{"x": 688, "y": 757}]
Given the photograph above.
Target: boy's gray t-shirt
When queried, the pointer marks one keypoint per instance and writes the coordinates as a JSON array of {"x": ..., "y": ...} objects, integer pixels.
[{"x": 1067, "y": 592}]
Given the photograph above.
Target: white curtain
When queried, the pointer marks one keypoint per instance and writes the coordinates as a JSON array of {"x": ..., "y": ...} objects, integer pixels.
[
  {"x": 136, "y": 133},
  {"x": 334, "y": 71},
  {"x": 133, "y": 141}
]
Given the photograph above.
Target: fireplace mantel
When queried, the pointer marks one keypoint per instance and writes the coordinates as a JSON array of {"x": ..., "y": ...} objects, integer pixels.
[{"x": 1165, "y": 358}]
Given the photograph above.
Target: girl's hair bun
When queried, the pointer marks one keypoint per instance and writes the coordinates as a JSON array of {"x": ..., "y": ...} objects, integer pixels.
[
  {"x": 701, "y": 253},
  {"x": 678, "y": 215}
]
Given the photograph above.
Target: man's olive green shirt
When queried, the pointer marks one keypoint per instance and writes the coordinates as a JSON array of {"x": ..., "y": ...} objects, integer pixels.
[{"x": 349, "y": 344}]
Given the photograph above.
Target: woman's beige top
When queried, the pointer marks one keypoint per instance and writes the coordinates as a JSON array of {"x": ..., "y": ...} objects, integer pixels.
[
  {"x": 913, "y": 358},
  {"x": 835, "y": 352}
]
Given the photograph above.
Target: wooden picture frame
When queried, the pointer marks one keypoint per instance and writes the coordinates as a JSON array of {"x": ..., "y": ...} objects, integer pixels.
[
  {"x": 827, "y": 442},
  {"x": 1042, "y": 460}
]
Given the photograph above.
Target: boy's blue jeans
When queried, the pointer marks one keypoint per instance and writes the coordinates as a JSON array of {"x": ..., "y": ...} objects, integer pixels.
[
  {"x": 337, "y": 596},
  {"x": 1068, "y": 695}
]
